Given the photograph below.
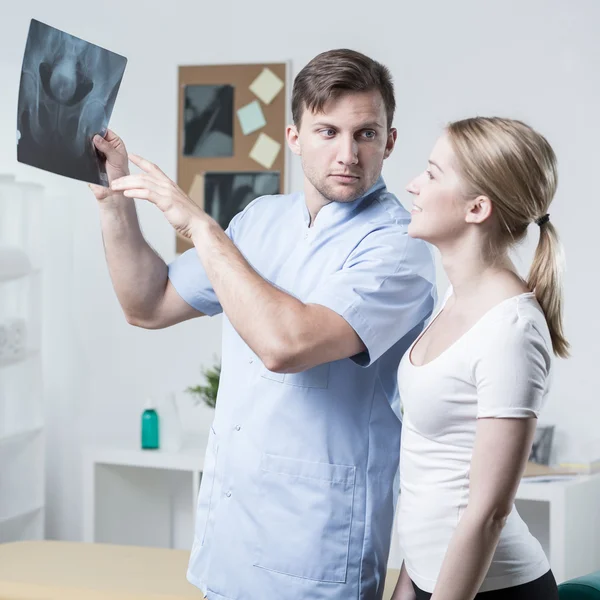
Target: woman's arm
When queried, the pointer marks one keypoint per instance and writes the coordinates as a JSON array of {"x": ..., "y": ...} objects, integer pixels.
[{"x": 502, "y": 447}]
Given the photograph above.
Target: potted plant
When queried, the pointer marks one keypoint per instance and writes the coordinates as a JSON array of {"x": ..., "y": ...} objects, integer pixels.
[{"x": 207, "y": 393}]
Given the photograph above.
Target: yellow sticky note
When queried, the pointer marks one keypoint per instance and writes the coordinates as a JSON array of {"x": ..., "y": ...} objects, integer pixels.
[
  {"x": 196, "y": 192},
  {"x": 265, "y": 150},
  {"x": 266, "y": 86}
]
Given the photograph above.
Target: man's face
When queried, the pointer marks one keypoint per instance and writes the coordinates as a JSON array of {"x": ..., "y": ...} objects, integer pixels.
[{"x": 343, "y": 147}]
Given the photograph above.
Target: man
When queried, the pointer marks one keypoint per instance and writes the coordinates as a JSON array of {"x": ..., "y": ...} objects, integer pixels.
[{"x": 322, "y": 292}]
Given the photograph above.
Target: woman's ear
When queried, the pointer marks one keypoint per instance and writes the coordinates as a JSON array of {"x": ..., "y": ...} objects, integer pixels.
[{"x": 479, "y": 210}]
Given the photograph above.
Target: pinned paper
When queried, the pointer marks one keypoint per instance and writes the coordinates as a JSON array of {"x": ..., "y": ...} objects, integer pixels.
[
  {"x": 251, "y": 117},
  {"x": 266, "y": 86},
  {"x": 196, "y": 192},
  {"x": 265, "y": 150}
]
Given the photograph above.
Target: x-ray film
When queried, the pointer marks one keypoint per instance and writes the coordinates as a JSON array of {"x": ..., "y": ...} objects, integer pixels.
[{"x": 66, "y": 96}]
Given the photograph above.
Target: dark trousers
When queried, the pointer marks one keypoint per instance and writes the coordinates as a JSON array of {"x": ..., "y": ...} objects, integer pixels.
[{"x": 543, "y": 588}]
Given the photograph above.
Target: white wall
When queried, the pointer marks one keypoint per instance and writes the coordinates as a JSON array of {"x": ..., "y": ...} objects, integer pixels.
[{"x": 537, "y": 60}]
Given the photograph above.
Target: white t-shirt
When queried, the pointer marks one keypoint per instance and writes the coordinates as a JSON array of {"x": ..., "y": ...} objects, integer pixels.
[{"x": 499, "y": 368}]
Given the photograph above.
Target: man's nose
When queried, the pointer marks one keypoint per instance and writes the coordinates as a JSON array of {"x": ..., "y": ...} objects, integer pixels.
[{"x": 348, "y": 151}]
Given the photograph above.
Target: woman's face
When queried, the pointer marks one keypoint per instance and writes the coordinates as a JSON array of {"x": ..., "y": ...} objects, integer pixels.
[{"x": 439, "y": 210}]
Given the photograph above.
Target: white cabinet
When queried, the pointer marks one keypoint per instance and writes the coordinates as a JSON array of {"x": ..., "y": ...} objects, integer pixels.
[
  {"x": 141, "y": 497},
  {"x": 21, "y": 408},
  {"x": 565, "y": 517}
]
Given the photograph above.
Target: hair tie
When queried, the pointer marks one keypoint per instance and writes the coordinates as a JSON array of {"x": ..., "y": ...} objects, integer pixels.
[{"x": 542, "y": 220}]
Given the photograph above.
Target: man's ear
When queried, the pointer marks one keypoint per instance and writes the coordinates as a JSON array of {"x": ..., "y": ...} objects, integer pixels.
[
  {"x": 391, "y": 142},
  {"x": 293, "y": 139}
]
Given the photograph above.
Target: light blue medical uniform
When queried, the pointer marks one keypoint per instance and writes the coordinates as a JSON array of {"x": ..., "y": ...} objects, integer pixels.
[{"x": 300, "y": 479}]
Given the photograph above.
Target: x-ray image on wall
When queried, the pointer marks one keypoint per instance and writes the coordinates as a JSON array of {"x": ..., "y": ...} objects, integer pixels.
[
  {"x": 226, "y": 194},
  {"x": 67, "y": 93},
  {"x": 208, "y": 121}
]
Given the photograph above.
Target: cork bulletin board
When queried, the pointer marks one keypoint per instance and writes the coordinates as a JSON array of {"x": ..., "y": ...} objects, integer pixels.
[{"x": 231, "y": 136}]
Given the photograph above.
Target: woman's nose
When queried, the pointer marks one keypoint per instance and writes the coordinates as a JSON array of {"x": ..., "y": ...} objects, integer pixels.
[{"x": 412, "y": 187}]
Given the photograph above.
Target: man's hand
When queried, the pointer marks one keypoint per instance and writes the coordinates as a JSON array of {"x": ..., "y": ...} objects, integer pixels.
[
  {"x": 153, "y": 185},
  {"x": 113, "y": 150}
]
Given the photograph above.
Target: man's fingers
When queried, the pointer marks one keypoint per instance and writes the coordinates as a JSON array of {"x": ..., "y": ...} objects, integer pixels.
[
  {"x": 147, "y": 166},
  {"x": 146, "y": 194},
  {"x": 101, "y": 143},
  {"x": 109, "y": 144},
  {"x": 111, "y": 136},
  {"x": 129, "y": 182}
]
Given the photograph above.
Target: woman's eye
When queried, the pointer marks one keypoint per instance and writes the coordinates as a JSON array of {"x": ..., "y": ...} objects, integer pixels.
[{"x": 429, "y": 174}]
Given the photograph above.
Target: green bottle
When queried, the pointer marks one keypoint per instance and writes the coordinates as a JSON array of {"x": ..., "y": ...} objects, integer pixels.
[{"x": 150, "y": 427}]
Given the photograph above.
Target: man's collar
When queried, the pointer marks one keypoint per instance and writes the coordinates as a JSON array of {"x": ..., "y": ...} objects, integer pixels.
[{"x": 330, "y": 211}]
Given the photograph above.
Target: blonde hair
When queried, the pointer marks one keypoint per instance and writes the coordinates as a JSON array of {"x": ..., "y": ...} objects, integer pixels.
[{"x": 515, "y": 167}]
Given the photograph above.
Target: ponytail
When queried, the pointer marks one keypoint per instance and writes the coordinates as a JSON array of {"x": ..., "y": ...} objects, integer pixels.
[{"x": 546, "y": 281}]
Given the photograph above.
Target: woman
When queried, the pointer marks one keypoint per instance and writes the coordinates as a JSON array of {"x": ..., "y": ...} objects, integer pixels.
[{"x": 473, "y": 383}]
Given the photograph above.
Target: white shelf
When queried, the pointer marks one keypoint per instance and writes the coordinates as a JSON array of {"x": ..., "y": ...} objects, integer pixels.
[
  {"x": 21, "y": 435},
  {"x": 21, "y": 393},
  {"x": 22, "y": 440},
  {"x": 21, "y": 514},
  {"x": 28, "y": 525},
  {"x": 187, "y": 459},
  {"x": 18, "y": 274},
  {"x": 546, "y": 491},
  {"x": 14, "y": 263},
  {"x": 125, "y": 488},
  {"x": 22, "y": 474},
  {"x": 15, "y": 360},
  {"x": 561, "y": 514}
]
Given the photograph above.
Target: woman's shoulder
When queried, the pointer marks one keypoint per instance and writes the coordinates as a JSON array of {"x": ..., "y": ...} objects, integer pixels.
[{"x": 516, "y": 324}]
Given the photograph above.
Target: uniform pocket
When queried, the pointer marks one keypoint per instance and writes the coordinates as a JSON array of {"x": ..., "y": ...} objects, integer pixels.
[
  {"x": 317, "y": 377},
  {"x": 305, "y": 518}
]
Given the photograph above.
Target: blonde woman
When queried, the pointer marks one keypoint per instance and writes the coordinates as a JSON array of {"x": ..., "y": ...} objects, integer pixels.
[{"x": 474, "y": 382}]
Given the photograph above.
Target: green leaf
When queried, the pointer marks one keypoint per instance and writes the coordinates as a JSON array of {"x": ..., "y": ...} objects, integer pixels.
[{"x": 207, "y": 393}]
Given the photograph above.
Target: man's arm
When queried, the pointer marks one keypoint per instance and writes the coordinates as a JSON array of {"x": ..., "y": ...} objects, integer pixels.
[
  {"x": 288, "y": 335},
  {"x": 138, "y": 273},
  {"x": 373, "y": 306}
]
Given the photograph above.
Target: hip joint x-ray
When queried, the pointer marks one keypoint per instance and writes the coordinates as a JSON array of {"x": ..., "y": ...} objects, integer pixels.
[{"x": 66, "y": 96}]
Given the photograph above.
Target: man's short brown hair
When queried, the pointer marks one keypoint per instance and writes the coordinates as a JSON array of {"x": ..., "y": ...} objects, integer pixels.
[{"x": 334, "y": 72}]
